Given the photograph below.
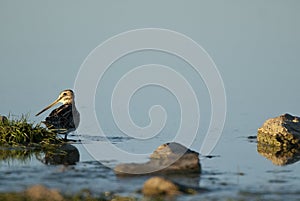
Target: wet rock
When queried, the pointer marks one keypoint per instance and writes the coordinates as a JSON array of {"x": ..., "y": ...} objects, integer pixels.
[
  {"x": 3, "y": 119},
  {"x": 176, "y": 158},
  {"x": 161, "y": 186},
  {"x": 39, "y": 192},
  {"x": 279, "y": 155},
  {"x": 157, "y": 186},
  {"x": 169, "y": 158},
  {"x": 280, "y": 131}
]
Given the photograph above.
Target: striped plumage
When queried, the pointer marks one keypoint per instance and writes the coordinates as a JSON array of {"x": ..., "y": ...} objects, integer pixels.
[{"x": 65, "y": 118}]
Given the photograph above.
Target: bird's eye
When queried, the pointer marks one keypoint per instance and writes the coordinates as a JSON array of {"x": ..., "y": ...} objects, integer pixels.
[{"x": 64, "y": 94}]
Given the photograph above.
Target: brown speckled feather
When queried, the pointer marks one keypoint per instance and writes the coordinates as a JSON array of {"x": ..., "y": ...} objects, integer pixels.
[{"x": 62, "y": 118}]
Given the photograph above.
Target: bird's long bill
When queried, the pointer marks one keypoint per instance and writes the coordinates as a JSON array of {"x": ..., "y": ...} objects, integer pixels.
[{"x": 49, "y": 106}]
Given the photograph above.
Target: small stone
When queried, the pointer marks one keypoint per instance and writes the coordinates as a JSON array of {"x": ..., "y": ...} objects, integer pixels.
[
  {"x": 39, "y": 192},
  {"x": 157, "y": 186}
]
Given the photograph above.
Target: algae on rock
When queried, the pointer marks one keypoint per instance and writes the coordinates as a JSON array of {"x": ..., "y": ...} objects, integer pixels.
[{"x": 280, "y": 131}]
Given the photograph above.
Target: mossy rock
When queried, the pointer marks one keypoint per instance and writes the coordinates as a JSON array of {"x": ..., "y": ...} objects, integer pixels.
[{"x": 280, "y": 131}]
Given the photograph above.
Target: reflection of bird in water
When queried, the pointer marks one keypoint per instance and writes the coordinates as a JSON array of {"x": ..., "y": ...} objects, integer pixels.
[
  {"x": 65, "y": 118},
  {"x": 66, "y": 154}
]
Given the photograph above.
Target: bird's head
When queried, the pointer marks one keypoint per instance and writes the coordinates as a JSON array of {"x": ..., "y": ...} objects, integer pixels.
[{"x": 65, "y": 97}]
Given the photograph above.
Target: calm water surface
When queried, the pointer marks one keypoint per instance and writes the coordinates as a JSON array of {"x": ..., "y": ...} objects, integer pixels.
[{"x": 236, "y": 170}]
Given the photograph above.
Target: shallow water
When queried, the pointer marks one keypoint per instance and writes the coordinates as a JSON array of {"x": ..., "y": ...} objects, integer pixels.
[{"x": 236, "y": 173}]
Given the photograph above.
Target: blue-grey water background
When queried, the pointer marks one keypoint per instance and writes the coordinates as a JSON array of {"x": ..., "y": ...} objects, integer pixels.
[{"x": 254, "y": 44}]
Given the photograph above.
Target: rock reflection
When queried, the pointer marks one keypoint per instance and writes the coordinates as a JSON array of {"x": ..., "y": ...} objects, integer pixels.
[{"x": 279, "y": 155}]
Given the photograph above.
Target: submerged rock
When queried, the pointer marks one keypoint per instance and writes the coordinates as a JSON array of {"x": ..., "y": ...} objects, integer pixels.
[
  {"x": 39, "y": 192},
  {"x": 156, "y": 186},
  {"x": 169, "y": 158},
  {"x": 280, "y": 131}
]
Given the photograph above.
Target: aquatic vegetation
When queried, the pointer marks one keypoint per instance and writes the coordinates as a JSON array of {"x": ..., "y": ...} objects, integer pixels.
[
  {"x": 21, "y": 140},
  {"x": 18, "y": 132}
]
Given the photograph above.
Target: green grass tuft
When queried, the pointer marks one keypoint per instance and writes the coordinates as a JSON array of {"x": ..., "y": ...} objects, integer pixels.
[{"x": 18, "y": 132}]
